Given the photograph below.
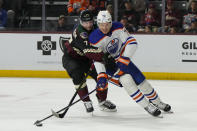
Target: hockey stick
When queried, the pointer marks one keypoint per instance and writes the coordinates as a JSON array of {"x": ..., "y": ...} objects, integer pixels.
[
  {"x": 38, "y": 122},
  {"x": 63, "y": 114},
  {"x": 71, "y": 101}
]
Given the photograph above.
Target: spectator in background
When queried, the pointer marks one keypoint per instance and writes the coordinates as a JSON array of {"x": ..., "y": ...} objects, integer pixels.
[
  {"x": 76, "y": 6},
  {"x": 10, "y": 19},
  {"x": 191, "y": 14},
  {"x": 193, "y": 28},
  {"x": 141, "y": 29},
  {"x": 172, "y": 15},
  {"x": 9, "y": 6},
  {"x": 3, "y": 16},
  {"x": 109, "y": 8},
  {"x": 148, "y": 29},
  {"x": 128, "y": 26},
  {"x": 189, "y": 4},
  {"x": 93, "y": 7},
  {"x": 15, "y": 9},
  {"x": 96, "y": 5},
  {"x": 140, "y": 6},
  {"x": 61, "y": 24},
  {"x": 152, "y": 18},
  {"x": 131, "y": 14},
  {"x": 101, "y": 4},
  {"x": 173, "y": 30}
]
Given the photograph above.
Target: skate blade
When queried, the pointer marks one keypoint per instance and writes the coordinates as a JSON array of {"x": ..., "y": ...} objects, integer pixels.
[
  {"x": 159, "y": 116},
  {"x": 91, "y": 114},
  {"x": 107, "y": 110},
  {"x": 168, "y": 112}
]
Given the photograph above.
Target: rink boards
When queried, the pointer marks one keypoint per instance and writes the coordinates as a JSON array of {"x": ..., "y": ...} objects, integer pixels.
[{"x": 39, "y": 55}]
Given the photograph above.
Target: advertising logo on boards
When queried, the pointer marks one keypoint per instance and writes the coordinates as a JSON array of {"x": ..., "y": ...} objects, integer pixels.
[
  {"x": 46, "y": 45},
  {"x": 189, "y": 52},
  {"x": 62, "y": 41}
]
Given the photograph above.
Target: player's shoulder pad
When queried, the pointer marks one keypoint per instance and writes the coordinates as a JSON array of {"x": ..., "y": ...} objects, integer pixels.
[
  {"x": 116, "y": 26},
  {"x": 82, "y": 32},
  {"x": 95, "y": 36},
  {"x": 84, "y": 35}
]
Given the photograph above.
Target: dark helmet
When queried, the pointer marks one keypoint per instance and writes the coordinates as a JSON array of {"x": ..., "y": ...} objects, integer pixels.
[{"x": 86, "y": 15}]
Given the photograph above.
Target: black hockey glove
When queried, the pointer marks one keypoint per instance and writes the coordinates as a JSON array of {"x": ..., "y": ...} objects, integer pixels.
[{"x": 109, "y": 62}]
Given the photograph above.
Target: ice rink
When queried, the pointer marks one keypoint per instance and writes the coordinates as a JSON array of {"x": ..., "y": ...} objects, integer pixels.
[{"x": 25, "y": 100}]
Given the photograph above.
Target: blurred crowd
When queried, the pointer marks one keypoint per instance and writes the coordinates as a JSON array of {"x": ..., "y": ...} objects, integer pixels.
[
  {"x": 142, "y": 16},
  {"x": 135, "y": 15},
  {"x": 10, "y": 11}
]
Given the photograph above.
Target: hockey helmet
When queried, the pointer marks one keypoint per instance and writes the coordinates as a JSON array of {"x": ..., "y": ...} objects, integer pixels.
[
  {"x": 86, "y": 15},
  {"x": 104, "y": 17}
]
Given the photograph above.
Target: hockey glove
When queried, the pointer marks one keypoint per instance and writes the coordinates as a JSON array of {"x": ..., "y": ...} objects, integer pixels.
[
  {"x": 109, "y": 62},
  {"x": 102, "y": 82}
]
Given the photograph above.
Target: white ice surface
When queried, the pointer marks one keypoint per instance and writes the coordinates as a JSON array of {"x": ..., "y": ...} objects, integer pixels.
[{"x": 25, "y": 100}]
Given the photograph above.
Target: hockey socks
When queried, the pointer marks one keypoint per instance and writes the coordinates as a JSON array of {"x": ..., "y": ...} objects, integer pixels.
[
  {"x": 149, "y": 92},
  {"x": 131, "y": 88},
  {"x": 152, "y": 96},
  {"x": 83, "y": 91},
  {"x": 102, "y": 95}
]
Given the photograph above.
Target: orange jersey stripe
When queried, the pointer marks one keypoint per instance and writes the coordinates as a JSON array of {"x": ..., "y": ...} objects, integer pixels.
[
  {"x": 126, "y": 62},
  {"x": 132, "y": 40}
]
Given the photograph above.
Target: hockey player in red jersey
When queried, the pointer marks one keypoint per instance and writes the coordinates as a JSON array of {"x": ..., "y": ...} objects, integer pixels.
[
  {"x": 78, "y": 58},
  {"x": 114, "y": 39}
]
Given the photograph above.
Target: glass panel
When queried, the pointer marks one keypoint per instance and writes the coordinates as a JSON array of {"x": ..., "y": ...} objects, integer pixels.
[
  {"x": 179, "y": 16},
  {"x": 56, "y": 13},
  {"x": 146, "y": 15},
  {"x": 23, "y": 15}
]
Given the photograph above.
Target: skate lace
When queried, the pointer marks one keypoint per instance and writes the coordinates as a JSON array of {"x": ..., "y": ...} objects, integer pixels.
[
  {"x": 151, "y": 108},
  {"x": 107, "y": 103},
  {"x": 88, "y": 104},
  {"x": 161, "y": 105}
]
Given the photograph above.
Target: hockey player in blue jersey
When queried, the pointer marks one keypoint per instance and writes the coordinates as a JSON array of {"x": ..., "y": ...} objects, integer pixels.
[{"x": 114, "y": 39}]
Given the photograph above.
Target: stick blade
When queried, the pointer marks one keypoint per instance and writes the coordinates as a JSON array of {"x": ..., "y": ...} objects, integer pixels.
[
  {"x": 55, "y": 113},
  {"x": 38, "y": 123}
]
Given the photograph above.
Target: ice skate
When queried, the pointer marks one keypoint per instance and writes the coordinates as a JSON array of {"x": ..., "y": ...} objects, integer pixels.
[
  {"x": 153, "y": 110},
  {"x": 163, "y": 106},
  {"x": 89, "y": 107},
  {"x": 107, "y": 106}
]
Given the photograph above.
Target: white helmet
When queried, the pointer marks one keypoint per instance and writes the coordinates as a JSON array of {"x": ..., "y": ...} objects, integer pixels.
[{"x": 104, "y": 17}]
